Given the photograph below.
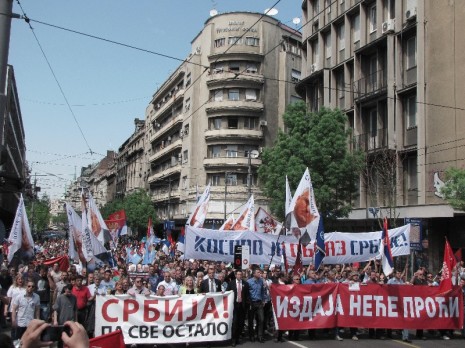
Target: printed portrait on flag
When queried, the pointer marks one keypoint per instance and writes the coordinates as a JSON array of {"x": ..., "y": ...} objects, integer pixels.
[
  {"x": 302, "y": 213},
  {"x": 95, "y": 224},
  {"x": 21, "y": 244}
]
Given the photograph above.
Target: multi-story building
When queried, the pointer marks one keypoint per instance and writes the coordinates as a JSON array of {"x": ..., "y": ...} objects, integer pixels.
[
  {"x": 394, "y": 67},
  {"x": 211, "y": 117},
  {"x": 97, "y": 182},
  {"x": 13, "y": 167},
  {"x": 131, "y": 162}
]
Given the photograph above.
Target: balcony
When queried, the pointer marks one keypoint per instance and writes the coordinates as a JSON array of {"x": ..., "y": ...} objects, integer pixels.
[
  {"x": 171, "y": 100},
  {"x": 238, "y": 79},
  {"x": 167, "y": 126},
  {"x": 370, "y": 86},
  {"x": 234, "y": 105},
  {"x": 165, "y": 195},
  {"x": 167, "y": 149},
  {"x": 370, "y": 141},
  {"x": 173, "y": 169},
  {"x": 216, "y": 134},
  {"x": 221, "y": 162}
]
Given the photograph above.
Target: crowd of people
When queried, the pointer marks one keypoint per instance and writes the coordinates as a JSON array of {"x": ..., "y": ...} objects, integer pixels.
[{"x": 38, "y": 294}]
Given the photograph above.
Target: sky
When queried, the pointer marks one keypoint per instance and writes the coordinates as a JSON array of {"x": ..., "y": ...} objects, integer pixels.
[{"x": 105, "y": 85}]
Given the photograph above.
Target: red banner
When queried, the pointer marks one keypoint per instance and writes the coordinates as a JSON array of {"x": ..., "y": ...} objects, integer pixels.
[
  {"x": 299, "y": 307},
  {"x": 116, "y": 220},
  {"x": 114, "y": 339},
  {"x": 63, "y": 262}
]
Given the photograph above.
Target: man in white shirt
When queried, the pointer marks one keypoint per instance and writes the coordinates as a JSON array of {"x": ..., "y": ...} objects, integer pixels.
[
  {"x": 171, "y": 288},
  {"x": 24, "y": 309}
]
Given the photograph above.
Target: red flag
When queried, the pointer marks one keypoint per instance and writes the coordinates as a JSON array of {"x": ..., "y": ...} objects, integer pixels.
[
  {"x": 114, "y": 339},
  {"x": 297, "y": 269},
  {"x": 63, "y": 262},
  {"x": 447, "y": 266},
  {"x": 458, "y": 255}
]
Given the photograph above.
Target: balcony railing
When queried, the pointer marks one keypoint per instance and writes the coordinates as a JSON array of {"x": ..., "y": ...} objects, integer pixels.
[
  {"x": 370, "y": 85},
  {"x": 370, "y": 141}
]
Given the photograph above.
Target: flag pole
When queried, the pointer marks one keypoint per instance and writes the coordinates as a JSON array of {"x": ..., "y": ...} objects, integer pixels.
[{"x": 277, "y": 245}]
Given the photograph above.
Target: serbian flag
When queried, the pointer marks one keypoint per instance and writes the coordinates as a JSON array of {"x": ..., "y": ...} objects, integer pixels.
[
  {"x": 297, "y": 269},
  {"x": 447, "y": 267},
  {"x": 116, "y": 223},
  {"x": 246, "y": 221},
  {"x": 304, "y": 210},
  {"x": 284, "y": 258},
  {"x": 113, "y": 339},
  {"x": 21, "y": 244},
  {"x": 320, "y": 251},
  {"x": 385, "y": 250},
  {"x": 181, "y": 240},
  {"x": 63, "y": 262},
  {"x": 199, "y": 214},
  {"x": 264, "y": 222}
]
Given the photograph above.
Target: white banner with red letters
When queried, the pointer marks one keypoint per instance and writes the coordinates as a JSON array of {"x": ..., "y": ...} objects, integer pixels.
[
  {"x": 205, "y": 244},
  {"x": 299, "y": 307},
  {"x": 169, "y": 319}
]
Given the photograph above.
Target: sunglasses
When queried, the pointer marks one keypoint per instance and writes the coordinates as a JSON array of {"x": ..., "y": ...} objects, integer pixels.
[
  {"x": 31, "y": 286},
  {"x": 296, "y": 278}
]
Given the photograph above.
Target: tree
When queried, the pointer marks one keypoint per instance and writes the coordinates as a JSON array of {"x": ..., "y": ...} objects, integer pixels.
[
  {"x": 38, "y": 212},
  {"x": 318, "y": 141},
  {"x": 454, "y": 188},
  {"x": 60, "y": 220},
  {"x": 138, "y": 208}
]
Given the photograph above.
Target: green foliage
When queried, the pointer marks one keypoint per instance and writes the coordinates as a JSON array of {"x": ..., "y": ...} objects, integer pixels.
[
  {"x": 317, "y": 141},
  {"x": 38, "y": 213},
  {"x": 138, "y": 208},
  {"x": 60, "y": 220},
  {"x": 454, "y": 188}
]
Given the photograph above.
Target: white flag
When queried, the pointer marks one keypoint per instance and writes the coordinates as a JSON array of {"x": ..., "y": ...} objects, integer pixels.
[
  {"x": 228, "y": 224},
  {"x": 304, "y": 211},
  {"x": 95, "y": 222},
  {"x": 90, "y": 238},
  {"x": 200, "y": 211},
  {"x": 289, "y": 217},
  {"x": 246, "y": 219},
  {"x": 20, "y": 235},
  {"x": 74, "y": 235}
]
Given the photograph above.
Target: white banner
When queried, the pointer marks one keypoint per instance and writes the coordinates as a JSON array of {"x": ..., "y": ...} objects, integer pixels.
[
  {"x": 264, "y": 248},
  {"x": 20, "y": 235},
  {"x": 168, "y": 319},
  {"x": 200, "y": 211}
]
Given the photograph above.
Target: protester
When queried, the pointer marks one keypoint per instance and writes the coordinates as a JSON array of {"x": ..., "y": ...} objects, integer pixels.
[
  {"x": 24, "y": 308},
  {"x": 257, "y": 301},
  {"x": 82, "y": 295},
  {"x": 65, "y": 307}
]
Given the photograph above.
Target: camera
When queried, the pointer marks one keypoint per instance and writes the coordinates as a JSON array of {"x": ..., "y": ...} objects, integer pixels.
[{"x": 53, "y": 333}]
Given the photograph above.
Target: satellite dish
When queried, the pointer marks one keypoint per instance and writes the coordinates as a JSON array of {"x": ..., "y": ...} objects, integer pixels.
[
  {"x": 296, "y": 20},
  {"x": 271, "y": 11},
  {"x": 213, "y": 12},
  {"x": 254, "y": 154}
]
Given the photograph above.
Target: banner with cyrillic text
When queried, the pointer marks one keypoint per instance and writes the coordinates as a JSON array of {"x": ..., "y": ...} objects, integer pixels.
[
  {"x": 299, "y": 307},
  {"x": 168, "y": 319},
  {"x": 205, "y": 244}
]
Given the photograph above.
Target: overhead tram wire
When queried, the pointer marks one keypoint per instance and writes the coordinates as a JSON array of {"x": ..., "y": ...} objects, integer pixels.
[{"x": 27, "y": 20}]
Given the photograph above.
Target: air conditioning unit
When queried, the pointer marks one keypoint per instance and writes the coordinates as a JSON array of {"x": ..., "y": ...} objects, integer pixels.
[
  {"x": 263, "y": 123},
  {"x": 388, "y": 26},
  {"x": 313, "y": 68},
  {"x": 411, "y": 13}
]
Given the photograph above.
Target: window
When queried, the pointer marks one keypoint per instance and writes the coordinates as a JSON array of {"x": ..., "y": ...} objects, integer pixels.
[
  {"x": 252, "y": 41},
  {"x": 356, "y": 28},
  {"x": 220, "y": 42},
  {"x": 411, "y": 52},
  {"x": 218, "y": 68},
  {"x": 315, "y": 51},
  {"x": 252, "y": 68},
  {"x": 295, "y": 75},
  {"x": 341, "y": 37},
  {"x": 217, "y": 123},
  {"x": 372, "y": 18},
  {"x": 188, "y": 79},
  {"x": 234, "y": 66},
  {"x": 232, "y": 122},
  {"x": 215, "y": 180},
  {"x": 185, "y": 156},
  {"x": 187, "y": 104},
  {"x": 340, "y": 84},
  {"x": 373, "y": 122},
  {"x": 410, "y": 109},
  {"x": 231, "y": 179},
  {"x": 233, "y": 94},
  {"x": 216, "y": 151},
  {"x": 250, "y": 94},
  {"x": 218, "y": 95},
  {"x": 412, "y": 173},
  {"x": 231, "y": 151},
  {"x": 328, "y": 44},
  {"x": 235, "y": 40},
  {"x": 295, "y": 99},
  {"x": 250, "y": 123}
]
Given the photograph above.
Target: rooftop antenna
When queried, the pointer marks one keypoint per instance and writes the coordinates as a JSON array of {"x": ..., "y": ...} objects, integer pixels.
[{"x": 271, "y": 11}]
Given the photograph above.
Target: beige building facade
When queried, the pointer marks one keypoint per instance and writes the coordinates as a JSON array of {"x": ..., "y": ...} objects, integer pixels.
[
  {"x": 394, "y": 67},
  {"x": 220, "y": 107}
]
